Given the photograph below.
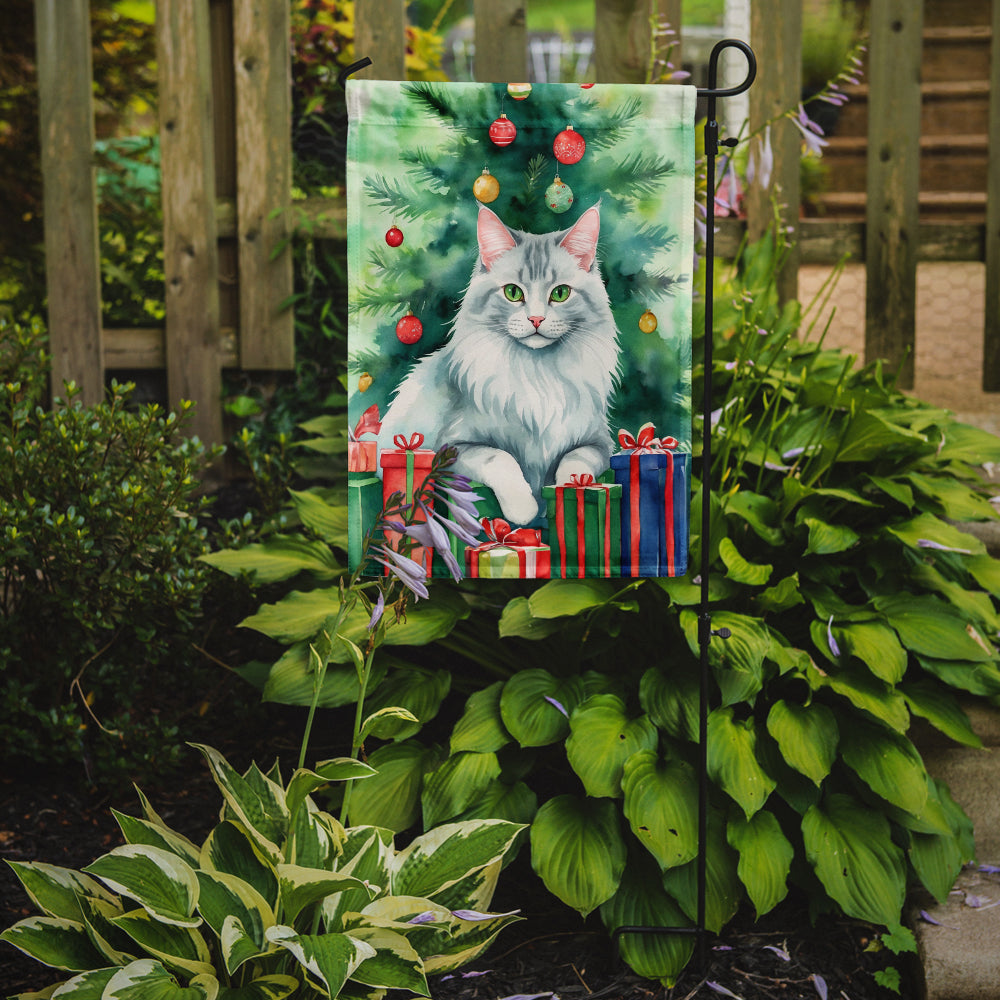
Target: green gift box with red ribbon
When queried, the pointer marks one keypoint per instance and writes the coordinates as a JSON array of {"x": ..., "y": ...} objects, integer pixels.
[
  {"x": 517, "y": 553},
  {"x": 405, "y": 470},
  {"x": 655, "y": 503},
  {"x": 584, "y": 527}
]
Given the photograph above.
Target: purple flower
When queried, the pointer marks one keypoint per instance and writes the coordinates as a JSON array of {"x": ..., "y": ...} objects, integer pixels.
[
  {"x": 475, "y": 915},
  {"x": 427, "y": 917},
  {"x": 409, "y": 572},
  {"x": 761, "y": 162},
  {"x": 719, "y": 988},
  {"x": 552, "y": 701},
  {"x": 834, "y": 648},
  {"x": 927, "y": 543},
  {"x": 820, "y": 983},
  {"x": 377, "y": 611},
  {"x": 780, "y": 952},
  {"x": 432, "y": 535},
  {"x": 811, "y": 132}
]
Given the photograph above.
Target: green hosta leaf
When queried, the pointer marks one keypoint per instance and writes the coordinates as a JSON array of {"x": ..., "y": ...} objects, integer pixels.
[
  {"x": 738, "y": 661},
  {"x": 941, "y": 709},
  {"x": 441, "y": 857},
  {"x": 986, "y": 572},
  {"x": 160, "y": 882},
  {"x": 417, "y": 690},
  {"x": 641, "y": 901},
  {"x": 965, "y": 443},
  {"x": 141, "y": 831},
  {"x": 928, "y": 528},
  {"x": 931, "y": 628},
  {"x": 391, "y": 798},
  {"x": 559, "y": 598},
  {"x": 517, "y": 620},
  {"x": 515, "y": 803},
  {"x": 732, "y": 760},
  {"x": 279, "y": 558},
  {"x": 147, "y": 979},
  {"x": 957, "y": 501},
  {"x": 876, "y": 646},
  {"x": 850, "y": 847},
  {"x": 481, "y": 728},
  {"x": 783, "y": 595},
  {"x": 976, "y": 678},
  {"x": 765, "y": 858},
  {"x": 723, "y": 889},
  {"x": 869, "y": 436},
  {"x": 330, "y": 959},
  {"x": 180, "y": 948},
  {"x": 975, "y": 605},
  {"x": 327, "y": 520},
  {"x": 888, "y": 763},
  {"x": 807, "y": 736},
  {"x": 758, "y": 511},
  {"x": 456, "y": 784},
  {"x": 387, "y": 723},
  {"x": 937, "y": 859},
  {"x": 602, "y": 738},
  {"x": 671, "y": 700},
  {"x": 301, "y": 887},
  {"x": 226, "y": 898},
  {"x": 274, "y": 987},
  {"x": 578, "y": 851},
  {"x": 828, "y": 539},
  {"x": 661, "y": 799},
  {"x": 263, "y": 812},
  {"x": 738, "y": 569},
  {"x": 54, "y": 941},
  {"x": 893, "y": 488},
  {"x": 56, "y": 891},
  {"x": 528, "y": 711},
  {"x": 291, "y": 680},
  {"x": 866, "y": 692},
  {"x": 395, "y": 964},
  {"x": 231, "y": 850}
]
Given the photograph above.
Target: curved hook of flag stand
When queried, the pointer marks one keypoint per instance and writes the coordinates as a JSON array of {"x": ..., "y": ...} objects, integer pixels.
[{"x": 705, "y": 631}]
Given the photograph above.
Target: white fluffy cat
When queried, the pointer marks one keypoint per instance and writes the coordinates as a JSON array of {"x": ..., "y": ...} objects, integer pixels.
[{"x": 521, "y": 388}]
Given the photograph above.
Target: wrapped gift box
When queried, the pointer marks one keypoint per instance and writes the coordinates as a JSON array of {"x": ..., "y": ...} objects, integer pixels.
[
  {"x": 655, "y": 504},
  {"x": 509, "y": 554},
  {"x": 584, "y": 532},
  {"x": 405, "y": 470},
  {"x": 364, "y": 505},
  {"x": 362, "y": 455},
  {"x": 488, "y": 507}
]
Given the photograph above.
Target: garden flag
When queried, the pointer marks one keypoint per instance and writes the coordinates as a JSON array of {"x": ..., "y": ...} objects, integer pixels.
[{"x": 520, "y": 271}]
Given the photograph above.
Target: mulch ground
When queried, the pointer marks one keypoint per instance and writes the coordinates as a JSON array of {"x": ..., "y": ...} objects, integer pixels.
[{"x": 550, "y": 952}]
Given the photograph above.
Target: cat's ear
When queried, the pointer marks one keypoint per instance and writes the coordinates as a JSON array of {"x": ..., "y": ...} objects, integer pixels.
[
  {"x": 581, "y": 240},
  {"x": 495, "y": 239}
]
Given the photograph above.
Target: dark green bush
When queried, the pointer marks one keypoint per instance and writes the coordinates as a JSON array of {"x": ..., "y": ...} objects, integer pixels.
[{"x": 100, "y": 587}]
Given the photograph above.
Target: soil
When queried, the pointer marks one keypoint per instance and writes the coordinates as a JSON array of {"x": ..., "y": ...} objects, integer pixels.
[{"x": 550, "y": 952}]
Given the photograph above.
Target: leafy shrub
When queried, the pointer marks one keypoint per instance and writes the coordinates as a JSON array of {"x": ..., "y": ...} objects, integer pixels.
[
  {"x": 279, "y": 899},
  {"x": 854, "y": 603},
  {"x": 99, "y": 539}
]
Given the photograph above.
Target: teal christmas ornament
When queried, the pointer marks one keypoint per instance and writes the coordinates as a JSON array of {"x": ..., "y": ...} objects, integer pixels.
[{"x": 559, "y": 196}]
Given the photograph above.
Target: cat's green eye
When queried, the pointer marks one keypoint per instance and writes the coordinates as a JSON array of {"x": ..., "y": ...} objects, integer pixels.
[
  {"x": 560, "y": 293},
  {"x": 514, "y": 293}
]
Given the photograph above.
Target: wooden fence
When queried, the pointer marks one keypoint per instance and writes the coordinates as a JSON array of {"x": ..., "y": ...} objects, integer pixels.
[{"x": 226, "y": 161}]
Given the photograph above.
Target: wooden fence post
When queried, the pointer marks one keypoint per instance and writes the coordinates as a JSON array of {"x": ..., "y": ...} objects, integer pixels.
[
  {"x": 72, "y": 255},
  {"x": 380, "y": 34},
  {"x": 623, "y": 37},
  {"x": 190, "y": 251},
  {"x": 262, "y": 61},
  {"x": 501, "y": 41},
  {"x": 991, "y": 332},
  {"x": 776, "y": 34},
  {"x": 893, "y": 183}
]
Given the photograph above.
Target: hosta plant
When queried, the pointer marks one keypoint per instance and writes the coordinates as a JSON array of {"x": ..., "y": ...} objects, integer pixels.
[{"x": 279, "y": 900}]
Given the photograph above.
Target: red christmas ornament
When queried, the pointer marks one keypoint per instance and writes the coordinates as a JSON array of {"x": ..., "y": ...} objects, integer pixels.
[
  {"x": 569, "y": 146},
  {"x": 586, "y": 86},
  {"x": 503, "y": 131},
  {"x": 394, "y": 237},
  {"x": 409, "y": 329}
]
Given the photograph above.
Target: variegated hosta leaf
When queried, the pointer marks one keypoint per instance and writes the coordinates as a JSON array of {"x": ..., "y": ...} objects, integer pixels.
[
  {"x": 56, "y": 891},
  {"x": 54, "y": 941},
  {"x": 158, "y": 880},
  {"x": 481, "y": 727},
  {"x": 535, "y": 706},
  {"x": 230, "y": 849},
  {"x": 141, "y": 831},
  {"x": 888, "y": 763},
  {"x": 256, "y": 801},
  {"x": 476, "y": 890},
  {"x": 329, "y": 959},
  {"x": 441, "y": 857},
  {"x": 315, "y": 839},
  {"x": 149, "y": 980},
  {"x": 602, "y": 737},
  {"x": 732, "y": 760},
  {"x": 642, "y": 902},
  {"x": 367, "y": 853},
  {"x": 850, "y": 847},
  {"x": 225, "y": 897},
  {"x": 578, "y": 851},
  {"x": 116, "y": 946},
  {"x": 86, "y": 986},
  {"x": 467, "y": 941},
  {"x": 456, "y": 784},
  {"x": 177, "y": 947},
  {"x": 661, "y": 800},
  {"x": 395, "y": 964},
  {"x": 807, "y": 736},
  {"x": 274, "y": 987},
  {"x": 304, "y": 782},
  {"x": 765, "y": 858},
  {"x": 301, "y": 887}
]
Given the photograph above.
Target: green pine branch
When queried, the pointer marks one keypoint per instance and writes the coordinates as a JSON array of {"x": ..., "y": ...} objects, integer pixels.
[
  {"x": 640, "y": 175},
  {"x": 391, "y": 196},
  {"x": 610, "y": 127}
]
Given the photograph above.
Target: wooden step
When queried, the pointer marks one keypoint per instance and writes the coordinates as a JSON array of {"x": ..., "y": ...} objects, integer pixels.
[
  {"x": 945, "y": 105},
  {"x": 956, "y": 53},
  {"x": 957, "y": 206}
]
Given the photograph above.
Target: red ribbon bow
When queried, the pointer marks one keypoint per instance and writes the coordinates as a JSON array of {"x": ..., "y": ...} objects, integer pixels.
[
  {"x": 369, "y": 423},
  {"x": 499, "y": 533},
  {"x": 646, "y": 441},
  {"x": 415, "y": 441},
  {"x": 581, "y": 479}
]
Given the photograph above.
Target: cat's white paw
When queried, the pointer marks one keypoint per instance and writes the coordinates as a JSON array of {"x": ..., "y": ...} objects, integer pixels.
[
  {"x": 519, "y": 505},
  {"x": 574, "y": 466}
]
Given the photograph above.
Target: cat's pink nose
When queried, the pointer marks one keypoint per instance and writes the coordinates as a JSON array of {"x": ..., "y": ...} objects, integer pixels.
[{"x": 537, "y": 320}]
